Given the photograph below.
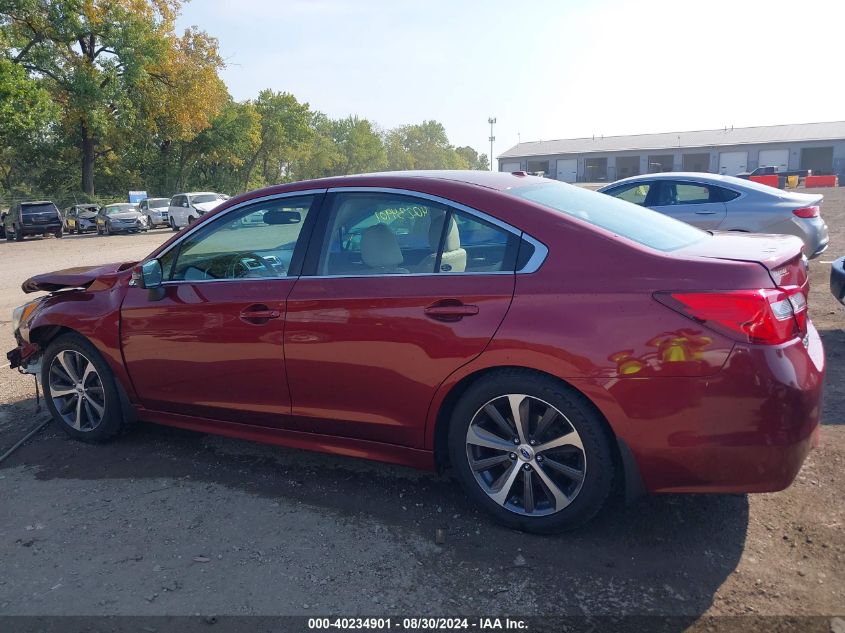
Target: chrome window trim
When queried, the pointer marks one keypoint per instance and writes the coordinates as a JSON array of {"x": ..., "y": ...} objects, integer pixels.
[{"x": 536, "y": 260}]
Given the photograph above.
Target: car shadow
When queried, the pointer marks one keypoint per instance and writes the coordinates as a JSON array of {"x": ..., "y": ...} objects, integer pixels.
[
  {"x": 834, "y": 381},
  {"x": 662, "y": 555}
]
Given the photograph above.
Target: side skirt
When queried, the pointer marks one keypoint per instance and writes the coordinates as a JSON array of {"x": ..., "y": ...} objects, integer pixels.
[{"x": 364, "y": 449}]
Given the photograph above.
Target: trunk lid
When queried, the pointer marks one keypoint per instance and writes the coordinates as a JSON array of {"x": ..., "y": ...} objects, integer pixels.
[{"x": 781, "y": 255}]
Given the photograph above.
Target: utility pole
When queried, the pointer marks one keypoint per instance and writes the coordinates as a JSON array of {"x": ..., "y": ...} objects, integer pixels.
[{"x": 492, "y": 122}]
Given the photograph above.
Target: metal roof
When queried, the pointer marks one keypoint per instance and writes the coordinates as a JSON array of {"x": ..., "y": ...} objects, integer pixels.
[{"x": 834, "y": 130}]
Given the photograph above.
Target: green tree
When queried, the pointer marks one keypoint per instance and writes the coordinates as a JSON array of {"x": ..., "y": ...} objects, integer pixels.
[
  {"x": 26, "y": 116},
  {"x": 422, "y": 146},
  {"x": 93, "y": 56},
  {"x": 473, "y": 159}
]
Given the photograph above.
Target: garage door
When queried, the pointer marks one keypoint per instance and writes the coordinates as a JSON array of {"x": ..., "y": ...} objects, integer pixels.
[
  {"x": 733, "y": 163},
  {"x": 510, "y": 166},
  {"x": 567, "y": 169},
  {"x": 774, "y": 158}
]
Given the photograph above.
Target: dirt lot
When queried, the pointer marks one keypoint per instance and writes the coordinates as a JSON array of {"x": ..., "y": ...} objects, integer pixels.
[{"x": 172, "y": 522}]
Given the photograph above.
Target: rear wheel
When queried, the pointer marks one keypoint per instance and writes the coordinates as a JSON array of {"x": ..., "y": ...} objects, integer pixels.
[
  {"x": 18, "y": 235},
  {"x": 80, "y": 390},
  {"x": 59, "y": 234},
  {"x": 531, "y": 452}
]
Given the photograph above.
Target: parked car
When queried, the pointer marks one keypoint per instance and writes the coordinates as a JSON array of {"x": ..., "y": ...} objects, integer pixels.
[
  {"x": 585, "y": 343},
  {"x": 186, "y": 208},
  {"x": 725, "y": 203},
  {"x": 81, "y": 218},
  {"x": 156, "y": 211},
  {"x": 837, "y": 279},
  {"x": 33, "y": 218},
  {"x": 122, "y": 217},
  {"x": 3, "y": 223}
]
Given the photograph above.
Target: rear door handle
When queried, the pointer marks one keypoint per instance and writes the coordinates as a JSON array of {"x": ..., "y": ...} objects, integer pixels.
[
  {"x": 259, "y": 313},
  {"x": 450, "y": 310}
]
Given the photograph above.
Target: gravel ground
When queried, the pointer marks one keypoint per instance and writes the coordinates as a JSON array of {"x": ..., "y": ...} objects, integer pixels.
[{"x": 169, "y": 522}]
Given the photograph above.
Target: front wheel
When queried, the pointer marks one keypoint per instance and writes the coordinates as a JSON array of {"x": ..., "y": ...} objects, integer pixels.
[
  {"x": 531, "y": 452},
  {"x": 18, "y": 235},
  {"x": 173, "y": 226},
  {"x": 80, "y": 390}
]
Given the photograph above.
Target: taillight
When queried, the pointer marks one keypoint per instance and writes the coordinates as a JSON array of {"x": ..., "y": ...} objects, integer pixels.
[
  {"x": 807, "y": 212},
  {"x": 767, "y": 316}
]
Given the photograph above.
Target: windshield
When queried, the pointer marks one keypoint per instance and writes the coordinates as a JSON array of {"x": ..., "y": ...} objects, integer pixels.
[
  {"x": 121, "y": 208},
  {"x": 205, "y": 197},
  {"x": 158, "y": 203},
  {"x": 633, "y": 222}
]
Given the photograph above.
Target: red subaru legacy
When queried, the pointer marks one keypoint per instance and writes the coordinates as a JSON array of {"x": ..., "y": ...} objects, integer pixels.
[{"x": 543, "y": 342}]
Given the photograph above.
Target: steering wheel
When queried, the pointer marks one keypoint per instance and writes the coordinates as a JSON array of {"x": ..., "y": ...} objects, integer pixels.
[{"x": 239, "y": 266}]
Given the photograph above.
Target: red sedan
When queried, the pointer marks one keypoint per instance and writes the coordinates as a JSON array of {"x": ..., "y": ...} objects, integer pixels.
[{"x": 543, "y": 342}]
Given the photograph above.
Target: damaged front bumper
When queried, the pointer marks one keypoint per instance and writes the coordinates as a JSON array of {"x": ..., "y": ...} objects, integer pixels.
[{"x": 26, "y": 357}]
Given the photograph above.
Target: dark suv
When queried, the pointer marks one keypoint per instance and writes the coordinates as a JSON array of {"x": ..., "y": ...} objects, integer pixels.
[{"x": 32, "y": 218}]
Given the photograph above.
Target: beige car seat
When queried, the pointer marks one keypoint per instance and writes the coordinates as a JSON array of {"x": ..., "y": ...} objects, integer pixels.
[
  {"x": 454, "y": 259},
  {"x": 380, "y": 251}
]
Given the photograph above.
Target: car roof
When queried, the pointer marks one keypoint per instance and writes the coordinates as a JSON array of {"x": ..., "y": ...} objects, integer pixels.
[
  {"x": 685, "y": 175},
  {"x": 495, "y": 180},
  {"x": 196, "y": 193},
  {"x": 37, "y": 202}
]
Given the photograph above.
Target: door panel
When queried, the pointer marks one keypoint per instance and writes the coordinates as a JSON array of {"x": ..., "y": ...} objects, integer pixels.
[
  {"x": 364, "y": 356},
  {"x": 192, "y": 353}
]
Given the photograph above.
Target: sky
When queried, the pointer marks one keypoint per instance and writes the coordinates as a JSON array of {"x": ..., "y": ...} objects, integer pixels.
[{"x": 545, "y": 70}]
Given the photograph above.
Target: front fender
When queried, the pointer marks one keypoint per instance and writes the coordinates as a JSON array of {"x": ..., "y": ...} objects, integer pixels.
[{"x": 92, "y": 313}]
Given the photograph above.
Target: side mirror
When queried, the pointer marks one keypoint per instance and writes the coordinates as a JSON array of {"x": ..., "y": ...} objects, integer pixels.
[
  {"x": 148, "y": 275},
  {"x": 282, "y": 217},
  {"x": 185, "y": 204}
]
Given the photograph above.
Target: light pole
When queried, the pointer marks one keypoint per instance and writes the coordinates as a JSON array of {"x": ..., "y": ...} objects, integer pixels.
[{"x": 492, "y": 122}]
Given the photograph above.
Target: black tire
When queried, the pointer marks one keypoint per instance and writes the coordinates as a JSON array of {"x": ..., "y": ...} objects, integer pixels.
[
  {"x": 596, "y": 438},
  {"x": 108, "y": 229},
  {"x": 191, "y": 220},
  {"x": 99, "y": 231},
  {"x": 173, "y": 226},
  {"x": 18, "y": 235},
  {"x": 59, "y": 234},
  {"x": 112, "y": 422}
]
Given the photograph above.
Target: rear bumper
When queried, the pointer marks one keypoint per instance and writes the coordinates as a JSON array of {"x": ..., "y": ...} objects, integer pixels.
[
  {"x": 40, "y": 229},
  {"x": 747, "y": 429}
]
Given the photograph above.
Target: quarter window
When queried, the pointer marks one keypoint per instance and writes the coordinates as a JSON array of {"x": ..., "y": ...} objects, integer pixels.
[{"x": 257, "y": 241}]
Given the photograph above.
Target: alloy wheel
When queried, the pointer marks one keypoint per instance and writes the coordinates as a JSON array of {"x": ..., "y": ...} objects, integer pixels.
[
  {"x": 526, "y": 455},
  {"x": 77, "y": 390}
]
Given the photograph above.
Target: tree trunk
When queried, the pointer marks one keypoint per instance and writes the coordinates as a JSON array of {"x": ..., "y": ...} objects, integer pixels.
[{"x": 88, "y": 157}]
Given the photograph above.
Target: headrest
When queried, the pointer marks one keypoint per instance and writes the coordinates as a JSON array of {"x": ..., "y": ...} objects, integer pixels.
[
  {"x": 379, "y": 247},
  {"x": 453, "y": 236}
]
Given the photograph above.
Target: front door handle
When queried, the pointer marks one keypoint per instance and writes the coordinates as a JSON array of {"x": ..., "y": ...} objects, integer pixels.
[
  {"x": 259, "y": 313},
  {"x": 450, "y": 310},
  {"x": 705, "y": 212}
]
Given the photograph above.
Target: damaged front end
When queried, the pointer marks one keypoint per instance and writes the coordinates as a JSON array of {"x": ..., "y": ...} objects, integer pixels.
[{"x": 26, "y": 357}]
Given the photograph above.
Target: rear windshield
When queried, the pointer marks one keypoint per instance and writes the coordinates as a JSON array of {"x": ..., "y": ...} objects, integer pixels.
[
  {"x": 636, "y": 223},
  {"x": 27, "y": 209},
  {"x": 158, "y": 203}
]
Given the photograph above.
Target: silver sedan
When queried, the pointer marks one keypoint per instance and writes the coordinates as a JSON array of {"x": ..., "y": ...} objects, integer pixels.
[{"x": 724, "y": 203}]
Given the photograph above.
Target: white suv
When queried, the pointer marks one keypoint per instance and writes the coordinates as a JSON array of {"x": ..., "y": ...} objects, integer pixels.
[{"x": 187, "y": 207}]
